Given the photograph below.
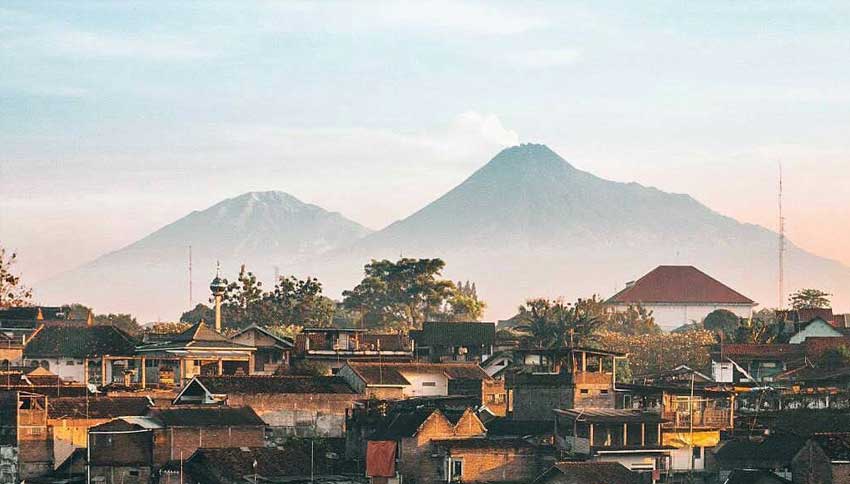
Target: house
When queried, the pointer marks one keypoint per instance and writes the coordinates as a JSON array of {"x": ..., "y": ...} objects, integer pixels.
[
  {"x": 815, "y": 328},
  {"x": 497, "y": 363},
  {"x": 632, "y": 438},
  {"x": 772, "y": 453},
  {"x": 244, "y": 465},
  {"x": 681, "y": 375},
  {"x": 542, "y": 380},
  {"x": 132, "y": 450},
  {"x": 679, "y": 295},
  {"x": 825, "y": 458},
  {"x": 332, "y": 347},
  {"x": 693, "y": 419},
  {"x": 425, "y": 445},
  {"x": 273, "y": 352},
  {"x": 753, "y": 363},
  {"x": 199, "y": 350},
  {"x": 445, "y": 341},
  {"x": 406, "y": 380},
  {"x": 11, "y": 350},
  {"x": 85, "y": 353},
  {"x": 588, "y": 473},
  {"x": 754, "y": 476},
  {"x": 303, "y": 406}
]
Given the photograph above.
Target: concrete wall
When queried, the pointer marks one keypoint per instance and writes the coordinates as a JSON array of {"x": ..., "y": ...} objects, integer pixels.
[
  {"x": 304, "y": 415},
  {"x": 811, "y": 466},
  {"x": 8, "y": 464},
  {"x": 816, "y": 329},
  {"x": 537, "y": 402},
  {"x": 121, "y": 474},
  {"x": 671, "y": 316},
  {"x": 418, "y": 381},
  {"x": 67, "y": 368}
]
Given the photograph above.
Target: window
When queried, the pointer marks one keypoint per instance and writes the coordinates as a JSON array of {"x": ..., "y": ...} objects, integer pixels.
[
  {"x": 429, "y": 383},
  {"x": 697, "y": 453},
  {"x": 133, "y": 473},
  {"x": 457, "y": 470},
  {"x": 69, "y": 363},
  {"x": 604, "y": 392},
  {"x": 584, "y": 391}
]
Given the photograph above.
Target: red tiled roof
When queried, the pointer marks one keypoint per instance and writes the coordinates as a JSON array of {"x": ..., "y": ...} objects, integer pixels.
[
  {"x": 779, "y": 351},
  {"x": 678, "y": 284},
  {"x": 816, "y": 346}
]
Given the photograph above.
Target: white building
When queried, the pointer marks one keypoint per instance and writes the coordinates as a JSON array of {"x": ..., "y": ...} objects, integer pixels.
[{"x": 679, "y": 295}]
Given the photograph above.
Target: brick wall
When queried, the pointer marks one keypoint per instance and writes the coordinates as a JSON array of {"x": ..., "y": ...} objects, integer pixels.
[
  {"x": 171, "y": 442},
  {"x": 493, "y": 465}
]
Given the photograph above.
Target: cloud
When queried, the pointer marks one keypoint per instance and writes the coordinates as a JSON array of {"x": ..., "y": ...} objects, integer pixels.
[
  {"x": 76, "y": 43},
  {"x": 541, "y": 58}
]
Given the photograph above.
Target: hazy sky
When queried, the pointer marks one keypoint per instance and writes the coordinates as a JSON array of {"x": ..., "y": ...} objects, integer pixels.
[{"x": 118, "y": 118}]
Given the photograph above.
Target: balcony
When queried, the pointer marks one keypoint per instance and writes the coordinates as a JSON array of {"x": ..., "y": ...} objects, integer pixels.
[{"x": 716, "y": 418}]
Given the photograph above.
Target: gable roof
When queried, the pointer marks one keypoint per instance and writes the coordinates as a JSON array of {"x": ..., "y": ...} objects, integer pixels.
[
  {"x": 776, "y": 450},
  {"x": 213, "y": 416},
  {"x": 437, "y": 333},
  {"x": 198, "y": 336},
  {"x": 392, "y": 374},
  {"x": 754, "y": 476},
  {"x": 73, "y": 341},
  {"x": 257, "y": 384},
  {"x": 254, "y": 327},
  {"x": 97, "y": 407},
  {"x": 745, "y": 352},
  {"x": 406, "y": 423},
  {"x": 836, "y": 445},
  {"x": 235, "y": 463},
  {"x": 589, "y": 473},
  {"x": 678, "y": 285}
]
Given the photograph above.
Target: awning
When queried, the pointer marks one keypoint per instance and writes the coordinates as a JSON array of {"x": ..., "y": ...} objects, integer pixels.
[
  {"x": 683, "y": 439},
  {"x": 380, "y": 458}
]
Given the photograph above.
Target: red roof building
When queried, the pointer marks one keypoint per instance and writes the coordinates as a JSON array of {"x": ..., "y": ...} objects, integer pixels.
[{"x": 680, "y": 295}]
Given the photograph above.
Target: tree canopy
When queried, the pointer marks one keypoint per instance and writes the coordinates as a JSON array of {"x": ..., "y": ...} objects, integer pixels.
[
  {"x": 548, "y": 323},
  {"x": 13, "y": 293},
  {"x": 722, "y": 321},
  {"x": 809, "y": 299},
  {"x": 404, "y": 294}
]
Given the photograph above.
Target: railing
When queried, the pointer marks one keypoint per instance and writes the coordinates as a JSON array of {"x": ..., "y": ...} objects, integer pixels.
[{"x": 708, "y": 418}]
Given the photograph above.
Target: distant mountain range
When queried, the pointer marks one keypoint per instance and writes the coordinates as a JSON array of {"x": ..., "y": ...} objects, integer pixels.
[{"x": 526, "y": 224}]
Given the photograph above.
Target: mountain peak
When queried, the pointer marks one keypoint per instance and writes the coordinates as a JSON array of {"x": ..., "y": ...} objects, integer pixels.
[{"x": 529, "y": 157}]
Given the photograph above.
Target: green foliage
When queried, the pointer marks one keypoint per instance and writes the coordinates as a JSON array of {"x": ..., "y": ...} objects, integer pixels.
[
  {"x": 169, "y": 327},
  {"x": 633, "y": 321},
  {"x": 809, "y": 299},
  {"x": 722, "y": 321},
  {"x": 651, "y": 353},
  {"x": 554, "y": 324},
  {"x": 13, "y": 293},
  {"x": 123, "y": 321},
  {"x": 762, "y": 328},
  {"x": 308, "y": 368},
  {"x": 292, "y": 301},
  {"x": 401, "y": 294},
  {"x": 198, "y": 313}
]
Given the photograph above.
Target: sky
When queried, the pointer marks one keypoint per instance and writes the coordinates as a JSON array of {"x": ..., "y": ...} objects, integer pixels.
[{"x": 117, "y": 118}]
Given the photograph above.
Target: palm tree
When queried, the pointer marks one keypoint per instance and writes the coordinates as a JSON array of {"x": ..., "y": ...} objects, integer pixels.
[{"x": 536, "y": 326}]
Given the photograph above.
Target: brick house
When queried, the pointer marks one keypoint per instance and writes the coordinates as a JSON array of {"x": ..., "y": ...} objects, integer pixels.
[
  {"x": 240, "y": 465},
  {"x": 132, "y": 450},
  {"x": 304, "y": 406},
  {"x": 588, "y": 473},
  {"x": 824, "y": 459},
  {"x": 542, "y": 380},
  {"x": 445, "y": 341},
  {"x": 425, "y": 446}
]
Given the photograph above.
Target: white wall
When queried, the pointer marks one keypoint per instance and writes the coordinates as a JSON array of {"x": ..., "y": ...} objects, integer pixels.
[
  {"x": 417, "y": 387},
  {"x": 671, "y": 316},
  {"x": 59, "y": 366},
  {"x": 817, "y": 328},
  {"x": 681, "y": 459}
]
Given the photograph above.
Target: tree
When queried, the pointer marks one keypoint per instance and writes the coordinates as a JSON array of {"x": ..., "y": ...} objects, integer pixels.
[
  {"x": 809, "y": 299},
  {"x": 835, "y": 358},
  {"x": 122, "y": 321},
  {"x": 13, "y": 293},
  {"x": 169, "y": 327},
  {"x": 756, "y": 331},
  {"x": 241, "y": 303},
  {"x": 300, "y": 301},
  {"x": 198, "y": 313},
  {"x": 651, "y": 353},
  {"x": 403, "y": 294},
  {"x": 722, "y": 321},
  {"x": 554, "y": 324}
]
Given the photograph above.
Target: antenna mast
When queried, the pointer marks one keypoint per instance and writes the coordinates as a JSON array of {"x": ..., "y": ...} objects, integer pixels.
[
  {"x": 190, "y": 276},
  {"x": 781, "y": 245}
]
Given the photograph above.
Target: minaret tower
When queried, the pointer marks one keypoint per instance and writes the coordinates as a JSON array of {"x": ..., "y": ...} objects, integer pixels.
[{"x": 218, "y": 286}]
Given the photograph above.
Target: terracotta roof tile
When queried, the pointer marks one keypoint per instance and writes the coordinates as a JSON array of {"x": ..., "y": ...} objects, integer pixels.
[{"x": 678, "y": 284}]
